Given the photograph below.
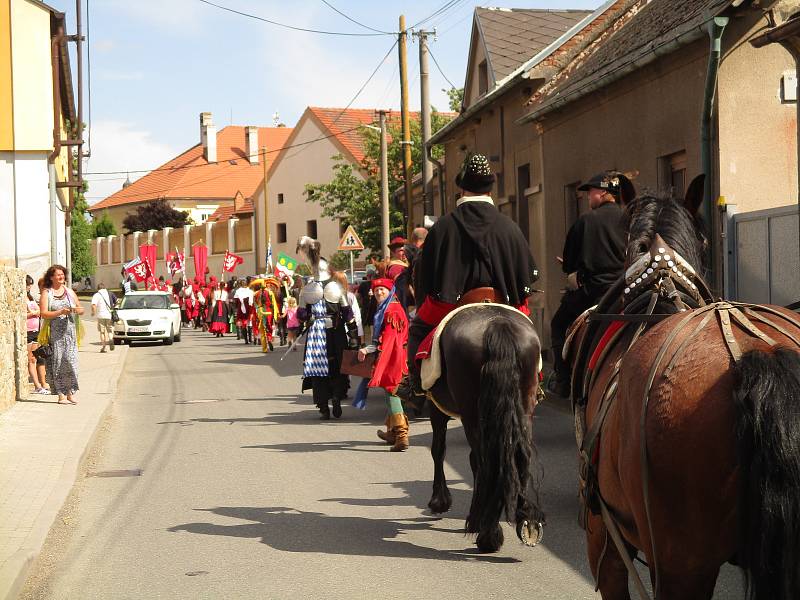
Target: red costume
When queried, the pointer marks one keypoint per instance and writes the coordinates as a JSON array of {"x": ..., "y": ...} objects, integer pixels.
[{"x": 391, "y": 365}]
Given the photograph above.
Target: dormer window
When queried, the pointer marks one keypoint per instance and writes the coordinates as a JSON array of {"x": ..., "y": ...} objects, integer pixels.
[{"x": 483, "y": 78}]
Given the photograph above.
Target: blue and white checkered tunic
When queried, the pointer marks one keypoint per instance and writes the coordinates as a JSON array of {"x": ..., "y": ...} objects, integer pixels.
[{"x": 315, "y": 362}]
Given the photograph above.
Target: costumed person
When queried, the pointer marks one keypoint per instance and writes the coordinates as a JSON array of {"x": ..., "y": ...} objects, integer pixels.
[
  {"x": 219, "y": 311},
  {"x": 331, "y": 328},
  {"x": 352, "y": 300},
  {"x": 397, "y": 263},
  {"x": 406, "y": 281},
  {"x": 292, "y": 322},
  {"x": 475, "y": 246},
  {"x": 267, "y": 309},
  {"x": 161, "y": 285},
  {"x": 191, "y": 305},
  {"x": 390, "y": 327},
  {"x": 208, "y": 294},
  {"x": 243, "y": 300},
  {"x": 593, "y": 259}
]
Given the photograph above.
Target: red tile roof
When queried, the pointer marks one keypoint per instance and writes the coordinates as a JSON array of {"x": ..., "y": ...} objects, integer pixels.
[
  {"x": 344, "y": 124},
  {"x": 190, "y": 175},
  {"x": 224, "y": 213}
]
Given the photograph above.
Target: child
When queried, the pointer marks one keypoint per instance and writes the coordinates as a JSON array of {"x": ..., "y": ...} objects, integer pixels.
[{"x": 292, "y": 322}]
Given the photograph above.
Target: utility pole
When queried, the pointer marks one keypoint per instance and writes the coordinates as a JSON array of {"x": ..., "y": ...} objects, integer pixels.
[
  {"x": 266, "y": 211},
  {"x": 384, "y": 188},
  {"x": 425, "y": 121},
  {"x": 406, "y": 141}
]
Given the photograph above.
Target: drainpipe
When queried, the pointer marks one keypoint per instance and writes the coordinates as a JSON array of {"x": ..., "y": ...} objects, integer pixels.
[
  {"x": 440, "y": 168},
  {"x": 51, "y": 169},
  {"x": 716, "y": 27}
]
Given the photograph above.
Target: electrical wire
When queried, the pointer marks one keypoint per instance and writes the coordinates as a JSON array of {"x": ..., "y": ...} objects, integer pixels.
[
  {"x": 436, "y": 62},
  {"x": 352, "y": 20},
  {"x": 439, "y": 12},
  {"x": 293, "y": 27},
  {"x": 89, "y": 82}
]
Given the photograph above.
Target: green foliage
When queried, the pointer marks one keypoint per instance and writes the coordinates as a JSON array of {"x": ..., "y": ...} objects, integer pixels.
[
  {"x": 456, "y": 96},
  {"x": 157, "y": 214},
  {"x": 303, "y": 270},
  {"x": 340, "y": 260},
  {"x": 355, "y": 198},
  {"x": 82, "y": 232},
  {"x": 102, "y": 226}
]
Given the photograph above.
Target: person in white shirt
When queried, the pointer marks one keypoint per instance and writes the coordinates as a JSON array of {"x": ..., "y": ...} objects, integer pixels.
[
  {"x": 243, "y": 300},
  {"x": 102, "y": 304}
]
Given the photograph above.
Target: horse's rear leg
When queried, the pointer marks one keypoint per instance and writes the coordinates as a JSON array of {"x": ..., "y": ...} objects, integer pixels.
[
  {"x": 605, "y": 561},
  {"x": 687, "y": 584},
  {"x": 440, "y": 499}
]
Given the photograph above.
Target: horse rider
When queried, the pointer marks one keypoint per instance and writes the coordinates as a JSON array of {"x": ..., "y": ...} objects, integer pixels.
[
  {"x": 593, "y": 259},
  {"x": 473, "y": 247}
]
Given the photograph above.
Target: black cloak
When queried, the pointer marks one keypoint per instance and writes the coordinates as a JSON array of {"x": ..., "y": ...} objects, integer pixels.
[{"x": 476, "y": 246}]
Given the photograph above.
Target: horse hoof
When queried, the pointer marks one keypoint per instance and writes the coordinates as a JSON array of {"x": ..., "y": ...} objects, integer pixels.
[
  {"x": 439, "y": 506},
  {"x": 530, "y": 534}
]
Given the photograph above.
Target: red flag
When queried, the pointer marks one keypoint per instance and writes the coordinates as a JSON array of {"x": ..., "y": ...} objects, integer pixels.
[
  {"x": 138, "y": 268},
  {"x": 230, "y": 261},
  {"x": 147, "y": 252},
  {"x": 200, "y": 254}
]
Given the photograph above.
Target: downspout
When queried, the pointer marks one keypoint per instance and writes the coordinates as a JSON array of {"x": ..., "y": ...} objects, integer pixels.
[
  {"x": 51, "y": 169},
  {"x": 55, "y": 58},
  {"x": 440, "y": 170},
  {"x": 716, "y": 27}
]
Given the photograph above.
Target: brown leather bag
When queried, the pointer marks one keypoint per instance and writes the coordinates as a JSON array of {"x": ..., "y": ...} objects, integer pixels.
[{"x": 351, "y": 365}]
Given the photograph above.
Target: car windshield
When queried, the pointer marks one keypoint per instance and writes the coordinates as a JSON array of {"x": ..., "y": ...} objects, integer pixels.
[{"x": 145, "y": 301}]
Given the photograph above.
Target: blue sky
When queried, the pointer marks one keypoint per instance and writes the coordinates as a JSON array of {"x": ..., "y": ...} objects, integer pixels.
[{"x": 157, "y": 64}]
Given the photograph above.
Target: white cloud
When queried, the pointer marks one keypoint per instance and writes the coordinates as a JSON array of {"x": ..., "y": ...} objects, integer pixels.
[{"x": 121, "y": 146}]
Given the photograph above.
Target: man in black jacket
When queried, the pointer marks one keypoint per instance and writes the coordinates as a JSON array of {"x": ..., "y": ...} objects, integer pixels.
[
  {"x": 594, "y": 257},
  {"x": 472, "y": 247}
]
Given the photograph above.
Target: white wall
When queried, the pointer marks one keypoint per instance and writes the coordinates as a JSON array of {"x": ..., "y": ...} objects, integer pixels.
[{"x": 7, "y": 224}]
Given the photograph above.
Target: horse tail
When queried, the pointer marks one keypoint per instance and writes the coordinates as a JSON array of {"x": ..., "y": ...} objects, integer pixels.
[
  {"x": 506, "y": 449},
  {"x": 767, "y": 402}
]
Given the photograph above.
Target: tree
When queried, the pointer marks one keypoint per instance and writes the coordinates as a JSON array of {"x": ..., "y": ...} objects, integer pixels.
[
  {"x": 355, "y": 200},
  {"x": 340, "y": 260},
  {"x": 103, "y": 226},
  {"x": 456, "y": 96},
  {"x": 83, "y": 263},
  {"x": 157, "y": 214}
]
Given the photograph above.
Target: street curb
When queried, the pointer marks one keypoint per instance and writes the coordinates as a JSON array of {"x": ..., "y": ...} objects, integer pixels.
[{"x": 18, "y": 567}]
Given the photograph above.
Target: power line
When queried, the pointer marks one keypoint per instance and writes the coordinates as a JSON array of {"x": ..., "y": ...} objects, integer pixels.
[
  {"x": 352, "y": 20},
  {"x": 271, "y": 22},
  {"x": 89, "y": 73},
  {"x": 440, "y": 11},
  {"x": 436, "y": 62}
]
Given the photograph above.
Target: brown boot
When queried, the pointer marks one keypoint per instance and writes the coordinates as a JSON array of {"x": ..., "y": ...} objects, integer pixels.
[
  {"x": 387, "y": 436},
  {"x": 400, "y": 431}
]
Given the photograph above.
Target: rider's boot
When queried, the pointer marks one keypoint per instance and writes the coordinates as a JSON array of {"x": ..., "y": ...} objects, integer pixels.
[{"x": 399, "y": 423}]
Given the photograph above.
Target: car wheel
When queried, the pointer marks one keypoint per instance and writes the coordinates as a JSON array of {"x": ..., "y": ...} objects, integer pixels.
[
  {"x": 168, "y": 340},
  {"x": 177, "y": 338}
]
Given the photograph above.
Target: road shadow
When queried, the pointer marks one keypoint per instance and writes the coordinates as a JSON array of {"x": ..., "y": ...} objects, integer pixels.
[
  {"x": 290, "y": 530},
  {"x": 416, "y": 494}
]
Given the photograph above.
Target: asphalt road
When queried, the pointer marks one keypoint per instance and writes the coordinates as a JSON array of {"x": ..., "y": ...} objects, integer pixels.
[{"x": 213, "y": 478}]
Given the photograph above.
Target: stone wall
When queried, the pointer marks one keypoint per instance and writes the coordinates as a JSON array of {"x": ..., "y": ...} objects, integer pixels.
[{"x": 13, "y": 352}]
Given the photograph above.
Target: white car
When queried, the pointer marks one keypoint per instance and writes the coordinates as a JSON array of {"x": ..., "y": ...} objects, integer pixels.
[{"x": 148, "y": 316}]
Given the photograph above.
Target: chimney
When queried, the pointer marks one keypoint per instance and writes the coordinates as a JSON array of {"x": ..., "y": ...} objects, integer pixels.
[
  {"x": 251, "y": 143},
  {"x": 208, "y": 137}
]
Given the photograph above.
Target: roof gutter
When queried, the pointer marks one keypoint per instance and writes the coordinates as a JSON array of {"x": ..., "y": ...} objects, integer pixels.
[
  {"x": 521, "y": 72},
  {"x": 687, "y": 37}
]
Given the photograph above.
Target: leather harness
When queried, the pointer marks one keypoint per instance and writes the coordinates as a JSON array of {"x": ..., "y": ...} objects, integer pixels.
[{"x": 659, "y": 285}]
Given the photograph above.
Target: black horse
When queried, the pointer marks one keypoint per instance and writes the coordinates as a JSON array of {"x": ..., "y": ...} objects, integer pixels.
[{"x": 490, "y": 375}]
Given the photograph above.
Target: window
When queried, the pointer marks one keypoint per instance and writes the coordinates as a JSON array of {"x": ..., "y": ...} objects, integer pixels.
[
  {"x": 483, "y": 78},
  {"x": 672, "y": 173},
  {"x": 281, "y": 233},
  {"x": 280, "y": 198},
  {"x": 311, "y": 229}
]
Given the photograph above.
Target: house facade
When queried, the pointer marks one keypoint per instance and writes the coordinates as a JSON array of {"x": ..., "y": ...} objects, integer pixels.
[
  {"x": 625, "y": 88},
  {"x": 36, "y": 104}
]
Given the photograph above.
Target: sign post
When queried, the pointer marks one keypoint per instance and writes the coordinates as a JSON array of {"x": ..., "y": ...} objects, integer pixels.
[{"x": 350, "y": 242}]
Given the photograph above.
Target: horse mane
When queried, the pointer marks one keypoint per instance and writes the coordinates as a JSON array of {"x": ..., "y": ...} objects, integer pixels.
[{"x": 666, "y": 216}]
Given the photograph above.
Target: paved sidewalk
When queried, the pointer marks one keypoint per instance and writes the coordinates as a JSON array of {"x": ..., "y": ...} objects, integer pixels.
[{"x": 41, "y": 447}]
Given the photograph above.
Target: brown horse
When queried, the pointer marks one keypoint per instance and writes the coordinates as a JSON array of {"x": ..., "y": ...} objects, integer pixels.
[{"x": 691, "y": 442}]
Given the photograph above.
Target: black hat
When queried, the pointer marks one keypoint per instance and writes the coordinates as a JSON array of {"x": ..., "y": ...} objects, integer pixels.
[
  {"x": 613, "y": 182},
  {"x": 476, "y": 175}
]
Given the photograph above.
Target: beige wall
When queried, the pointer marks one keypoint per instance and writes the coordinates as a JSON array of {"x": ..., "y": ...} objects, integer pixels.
[
  {"x": 13, "y": 353},
  {"x": 757, "y": 133},
  {"x": 301, "y": 166},
  {"x": 117, "y": 214}
]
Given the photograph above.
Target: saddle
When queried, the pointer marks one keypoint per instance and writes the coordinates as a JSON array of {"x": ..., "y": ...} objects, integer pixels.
[{"x": 482, "y": 295}]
